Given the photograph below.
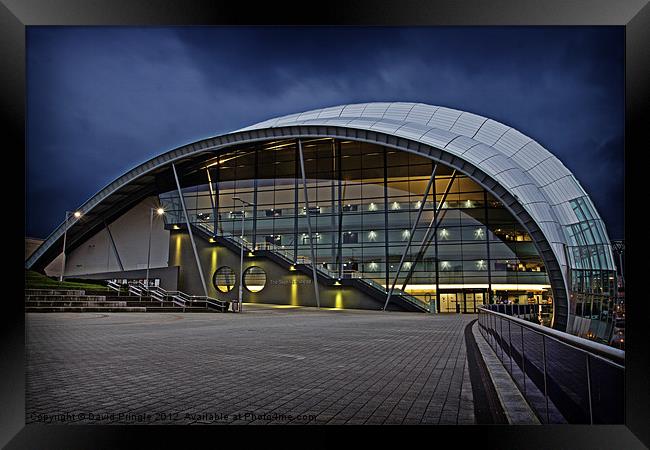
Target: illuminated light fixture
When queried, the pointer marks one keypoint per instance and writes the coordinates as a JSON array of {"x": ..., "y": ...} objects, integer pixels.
[
  {"x": 211, "y": 240},
  {"x": 336, "y": 283},
  {"x": 444, "y": 265},
  {"x": 292, "y": 267},
  {"x": 480, "y": 265},
  {"x": 176, "y": 227},
  {"x": 444, "y": 233},
  {"x": 418, "y": 204},
  {"x": 407, "y": 265},
  {"x": 372, "y": 266},
  {"x": 372, "y": 235},
  {"x": 406, "y": 234},
  {"x": 372, "y": 207},
  {"x": 395, "y": 205},
  {"x": 77, "y": 214},
  {"x": 445, "y": 205},
  {"x": 478, "y": 233},
  {"x": 469, "y": 204},
  {"x": 251, "y": 254},
  {"x": 160, "y": 211}
]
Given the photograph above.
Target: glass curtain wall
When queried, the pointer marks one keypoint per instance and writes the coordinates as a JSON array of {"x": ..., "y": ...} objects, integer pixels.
[
  {"x": 592, "y": 273},
  {"x": 363, "y": 203}
]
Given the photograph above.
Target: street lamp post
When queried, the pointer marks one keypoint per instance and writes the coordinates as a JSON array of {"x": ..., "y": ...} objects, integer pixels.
[
  {"x": 160, "y": 212},
  {"x": 241, "y": 254},
  {"x": 77, "y": 214}
]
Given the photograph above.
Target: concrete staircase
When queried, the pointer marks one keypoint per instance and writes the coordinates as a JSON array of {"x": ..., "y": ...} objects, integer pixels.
[
  {"x": 405, "y": 301},
  {"x": 61, "y": 300}
]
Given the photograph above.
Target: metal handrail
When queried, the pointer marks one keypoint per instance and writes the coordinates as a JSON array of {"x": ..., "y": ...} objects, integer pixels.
[
  {"x": 287, "y": 254},
  {"x": 182, "y": 299},
  {"x": 563, "y": 380},
  {"x": 408, "y": 297},
  {"x": 609, "y": 353}
]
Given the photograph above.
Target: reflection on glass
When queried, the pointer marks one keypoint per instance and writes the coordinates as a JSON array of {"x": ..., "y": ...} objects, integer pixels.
[
  {"x": 224, "y": 279},
  {"x": 254, "y": 279}
]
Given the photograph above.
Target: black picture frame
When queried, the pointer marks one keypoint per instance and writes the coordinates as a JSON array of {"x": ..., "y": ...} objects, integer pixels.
[{"x": 15, "y": 15}]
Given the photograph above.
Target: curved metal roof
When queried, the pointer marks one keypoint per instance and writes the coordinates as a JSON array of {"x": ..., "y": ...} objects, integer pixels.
[{"x": 536, "y": 178}]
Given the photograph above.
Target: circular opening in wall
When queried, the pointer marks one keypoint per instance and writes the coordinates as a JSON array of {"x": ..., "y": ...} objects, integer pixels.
[
  {"x": 254, "y": 279},
  {"x": 224, "y": 279}
]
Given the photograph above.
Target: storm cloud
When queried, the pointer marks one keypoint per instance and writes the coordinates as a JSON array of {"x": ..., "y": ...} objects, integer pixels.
[{"x": 101, "y": 100}]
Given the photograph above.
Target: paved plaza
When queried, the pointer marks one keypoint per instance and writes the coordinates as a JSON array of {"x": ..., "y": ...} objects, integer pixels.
[{"x": 266, "y": 366}]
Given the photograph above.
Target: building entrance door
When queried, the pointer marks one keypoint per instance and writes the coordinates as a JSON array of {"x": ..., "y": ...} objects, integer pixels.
[
  {"x": 472, "y": 301},
  {"x": 448, "y": 302}
]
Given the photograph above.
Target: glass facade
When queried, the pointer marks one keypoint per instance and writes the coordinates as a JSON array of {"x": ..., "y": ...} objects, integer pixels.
[
  {"x": 593, "y": 272},
  {"x": 363, "y": 201}
]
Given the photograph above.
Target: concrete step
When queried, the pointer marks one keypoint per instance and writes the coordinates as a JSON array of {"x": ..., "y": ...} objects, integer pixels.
[
  {"x": 126, "y": 298},
  {"x": 37, "y": 303},
  {"x": 152, "y": 303},
  {"x": 65, "y": 298},
  {"x": 84, "y": 309},
  {"x": 53, "y": 292},
  {"x": 108, "y": 293},
  {"x": 179, "y": 309}
]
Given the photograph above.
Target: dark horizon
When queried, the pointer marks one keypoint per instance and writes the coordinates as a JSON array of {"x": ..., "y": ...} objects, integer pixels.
[{"x": 101, "y": 100}]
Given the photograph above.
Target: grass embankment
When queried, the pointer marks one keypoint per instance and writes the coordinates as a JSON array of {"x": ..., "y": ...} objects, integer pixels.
[{"x": 35, "y": 280}]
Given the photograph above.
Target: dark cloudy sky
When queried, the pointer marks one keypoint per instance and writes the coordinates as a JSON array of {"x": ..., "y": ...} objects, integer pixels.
[{"x": 103, "y": 100}]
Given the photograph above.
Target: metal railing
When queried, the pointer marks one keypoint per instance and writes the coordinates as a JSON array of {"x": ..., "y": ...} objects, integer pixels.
[
  {"x": 137, "y": 289},
  {"x": 287, "y": 254},
  {"x": 112, "y": 285},
  {"x": 178, "y": 298},
  {"x": 564, "y": 378},
  {"x": 532, "y": 312}
]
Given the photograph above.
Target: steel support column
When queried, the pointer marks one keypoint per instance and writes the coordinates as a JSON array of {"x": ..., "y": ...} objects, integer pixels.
[
  {"x": 339, "y": 254},
  {"x": 295, "y": 207},
  {"x": 189, "y": 230},
  {"x": 435, "y": 254},
  {"x": 255, "y": 186},
  {"x": 487, "y": 239},
  {"x": 333, "y": 204},
  {"x": 386, "y": 251},
  {"x": 311, "y": 240}
]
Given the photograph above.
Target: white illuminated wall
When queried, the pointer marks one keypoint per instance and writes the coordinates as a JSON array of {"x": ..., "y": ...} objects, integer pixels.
[{"x": 131, "y": 235}]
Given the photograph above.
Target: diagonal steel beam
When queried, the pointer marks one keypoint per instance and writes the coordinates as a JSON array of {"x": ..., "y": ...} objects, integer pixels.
[
  {"x": 431, "y": 230},
  {"x": 415, "y": 224},
  {"x": 212, "y": 204},
  {"x": 311, "y": 241},
  {"x": 117, "y": 255},
  {"x": 189, "y": 230}
]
